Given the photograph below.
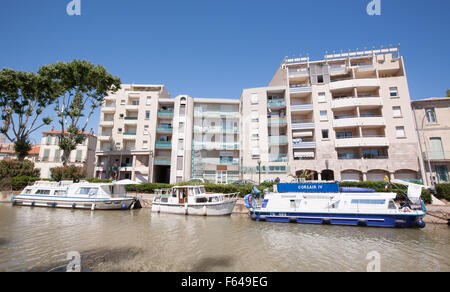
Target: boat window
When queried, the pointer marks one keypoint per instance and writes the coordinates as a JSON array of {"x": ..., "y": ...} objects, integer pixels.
[
  {"x": 392, "y": 205},
  {"x": 174, "y": 193},
  {"x": 202, "y": 190},
  {"x": 60, "y": 193},
  {"x": 88, "y": 191},
  {"x": 191, "y": 192},
  {"x": 214, "y": 199},
  {"x": 292, "y": 204},
  {"x": 27, "y": 192},
  {"x": 164, "y": 200},
  {"x": 182, "y": 193},
  {"x": 157, "y": 198},
  {"x": 43, "y": 192},
  {"x": 201, "y": 200},
  {"x": 369, "y": 202}
]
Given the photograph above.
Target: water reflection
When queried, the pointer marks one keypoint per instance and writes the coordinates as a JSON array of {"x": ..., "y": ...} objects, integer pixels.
[{"x": 39, "y": 239}]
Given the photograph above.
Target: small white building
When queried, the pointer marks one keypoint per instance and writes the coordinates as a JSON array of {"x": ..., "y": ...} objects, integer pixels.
[{"x": 50, "y": 153}]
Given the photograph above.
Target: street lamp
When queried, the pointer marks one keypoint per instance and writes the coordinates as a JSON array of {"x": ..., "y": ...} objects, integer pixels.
[{"x": 426, "y": 149}]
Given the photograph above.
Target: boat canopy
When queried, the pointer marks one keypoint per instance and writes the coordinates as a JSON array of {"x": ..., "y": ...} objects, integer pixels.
[{"x": 414, "y": 190}]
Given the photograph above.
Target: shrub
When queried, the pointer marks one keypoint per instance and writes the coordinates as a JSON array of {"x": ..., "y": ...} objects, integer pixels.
[
  {"x": 16, "y": 168},
  {"x": 100, "y": 181},
  {"x": 20, "y": 182},
  {"x": 426, "y": 197},
  {"x": 68, "y": 172},
  {"x": 443, "y": 191},
  {"x": 147, "y": 188}
]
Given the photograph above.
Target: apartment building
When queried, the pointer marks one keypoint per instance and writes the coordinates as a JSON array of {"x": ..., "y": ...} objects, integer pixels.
[
  {"x": 346, "y": 117},
  {"x": 50, "y": 153},
  {"x": 145, "y": 135},
  {"x": 432, "y": 117}
]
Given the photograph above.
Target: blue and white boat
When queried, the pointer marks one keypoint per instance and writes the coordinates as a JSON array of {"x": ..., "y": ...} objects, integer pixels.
[
  {"x": 82, "y": 195},
  {"x": 326, "y": 203}
]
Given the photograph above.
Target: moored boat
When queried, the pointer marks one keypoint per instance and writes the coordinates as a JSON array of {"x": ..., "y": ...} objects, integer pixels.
[
  {"x": 325, "y": 203},
  {"x": 82, "y": 195},
  {"x": 193, "y": 200}
]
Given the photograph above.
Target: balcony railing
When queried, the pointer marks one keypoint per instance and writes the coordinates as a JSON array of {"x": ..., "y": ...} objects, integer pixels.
[
  {"x": 302, "y": 107},
  {"x": 216, "y": 114},
  {"x": 278, "y": 139},
  {"x": 300, "y": 88},
  {"x": 215, "y": 130},
  {"x": 216, "y": 145},
  {"x": 358, "y": 157},
  {"x": 437, "y": 155},
  {"x": 280, "y": 158},
  {"x": 164, "y": 129},
  {"x": 276, "y": 103},
  {"x": 299, "y": 73},
  {"x": 162, "y": 161},
  {"x": 131, "y": 118},
  {"x": 130, "y": 133},
  {"x": 303, "y": 145},
  {"x": 302, "y": 125},
  {"x": 165, "y": 113},
  {"x": 277, "y": 121},
  {"x": 164, "y": 144}
]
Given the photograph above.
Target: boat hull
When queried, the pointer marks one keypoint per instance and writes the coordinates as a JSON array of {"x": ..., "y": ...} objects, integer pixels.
[
  {"x": 211, "y": 209},
  {"x": 86, "y": 204},
  {"x": 362, "y": 220}
]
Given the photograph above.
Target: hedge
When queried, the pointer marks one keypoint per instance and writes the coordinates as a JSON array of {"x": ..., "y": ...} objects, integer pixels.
[
  {"x": 16, "y": 168},
  {"x": 443, "y": 191}
]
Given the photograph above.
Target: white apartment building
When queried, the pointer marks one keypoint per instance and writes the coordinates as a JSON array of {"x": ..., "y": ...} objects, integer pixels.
[
  {"x": 50, "y": 153},
  {"x": 346, "y": 117},
  {"x": 147, "y": 136}
]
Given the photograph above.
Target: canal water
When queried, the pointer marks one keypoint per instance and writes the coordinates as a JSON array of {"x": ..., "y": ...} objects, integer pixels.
[{"x": 39, "y": 239}]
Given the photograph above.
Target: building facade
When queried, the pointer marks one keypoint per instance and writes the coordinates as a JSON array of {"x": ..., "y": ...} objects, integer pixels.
[
  {"x": 433, "y": 126},
  {"x": 145, "y": 135},
  {"x": 346, "y": 117},
  {"x": 50, "y": 154}
]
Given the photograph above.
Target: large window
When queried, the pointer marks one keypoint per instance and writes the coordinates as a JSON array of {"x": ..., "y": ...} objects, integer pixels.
[
  {"x": 254, "y": 98},
  {"x": 442, "y": 173},
  {"x": 400, "y": 131},
  {"x": 397, "y": 111}
]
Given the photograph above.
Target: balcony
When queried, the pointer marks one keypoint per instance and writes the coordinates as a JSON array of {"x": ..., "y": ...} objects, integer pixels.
[
  {"x": 164, "y": 129},
  {"x": 129, "y": 136},
  {"x": 216, "y": 114},
  {"x": 338, "y": 70},
  {"x": 107, "y": 123},
  {"x": 343, "y": 122},
  {"x": 301, "y": 108},
  {"x": 164, "y": 144},
  {"x": 131, "y": 120},
  {"x": 109, "y": 109},
  {"x": 280, "y": 158},
  {"x": 132, "y": 107},
  {"x": 346, "y": 102},
  {"x": 437, "y": 156},
  {"x": 302, "y": 125},
  {"x": 278, "y": 140},
  {"x": 277, "y": 121},
  {"x": 300, "y": 88},
  {"x": 165, "y": 114},
  {"x": 298, "y": 74},
  {"x": 218, "y": 161},
  {"x": 162, "y": 161},
  {"x": 104, "y": 138},
  {"x": 198, "y": 129},
  {"x": 373, "y": 141},
  {"x": 216, "y": 145},
  {"x": 276, "y": 103},
  {"x": 351, "y": 83},
  {"x": 303, "y": 145}
]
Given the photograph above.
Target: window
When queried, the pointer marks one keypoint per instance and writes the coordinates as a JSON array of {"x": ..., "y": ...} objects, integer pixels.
[
  {"x": 255, "y": 134},
  {"x": 42, "y": 192},
  {"x": 88, "y": 191},
  {"x": 146, "y": 130},
  {"x": 255, "y": 152},
  {"x": 147, "y": 115},
  {"x": 254, "y": 98},
  {"x": 255, "y": 116},
  {"x": 145, "y": 145},
  {"x": 437, "y": 149},
  {"x": 323, "y": 116},
  {"x": 180, "y": 163},
  {"x": 344, "y": 135},
  {"x": 181, "y": 127},
  {"x": 369, "y": 202},
  {"x": 431, "y": 115},
  {"x": 121, "y": 116},
  {"x": 320, "y": 79},
  {"x": 149, "y": 100},
  {"x": 325, "y": 134},
  {"x": 57, "y": 155},
  {"x": 400, "y": 132},
  {"x": 397, "y": 111},
  {"x": 122, "y": 102},
  {"x": 46, "y": 154},
  {"x": 442, "y": 173},
  {"x": 321, "y": 97},
  {"x": 393, "y": 91},
  {"x": 371, "y": 153},
  {"x": 181, "y": 144},
  {"x": 78, "y": 155},
  {"x": 119, "y": 130}
]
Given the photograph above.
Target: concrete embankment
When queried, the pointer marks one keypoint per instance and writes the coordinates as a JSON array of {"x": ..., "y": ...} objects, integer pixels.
[
  {"x": 5, "y": 197},
  {"x": 438, "y": 214}
]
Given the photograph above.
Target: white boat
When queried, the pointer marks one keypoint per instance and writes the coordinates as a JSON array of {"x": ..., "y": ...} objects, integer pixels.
[
  {"x": 325, "y": 203},
  {"x": 82, "y": 195},
  {"x": 193, "y": 200}
]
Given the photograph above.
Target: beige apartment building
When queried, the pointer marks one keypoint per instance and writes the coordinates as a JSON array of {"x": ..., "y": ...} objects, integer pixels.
[
  {"x": 433, "y": 124},
  {"x": 50, "y": 153},
  {"x": 145, "y": 135},
  {"x": 346, "y": 117}
]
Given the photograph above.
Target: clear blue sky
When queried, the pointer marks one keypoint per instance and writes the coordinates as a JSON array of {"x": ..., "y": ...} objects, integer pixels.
[{"x": 215, "y": 48}]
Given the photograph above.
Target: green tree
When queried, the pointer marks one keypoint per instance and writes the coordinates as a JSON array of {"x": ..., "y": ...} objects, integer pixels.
[
  {"x": 448, "y": 92},
  {"x": 23, "y": 98},
  {"x": 82, "y": 88}
]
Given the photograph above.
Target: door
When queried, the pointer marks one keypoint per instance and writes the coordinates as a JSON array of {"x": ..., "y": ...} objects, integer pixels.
[
  {"x": 442, "y": 173},
  {"x": 182, "y": 195},
  {"x": 221, "y": 177}
]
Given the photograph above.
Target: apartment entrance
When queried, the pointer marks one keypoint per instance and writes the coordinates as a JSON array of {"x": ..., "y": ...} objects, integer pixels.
[{"x": 162, "y": 174}]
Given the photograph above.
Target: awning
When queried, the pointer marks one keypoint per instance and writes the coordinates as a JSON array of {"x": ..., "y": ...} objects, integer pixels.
[
  {"x": 302, "y": 134},
  {"x": 304, "y": 154}
]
